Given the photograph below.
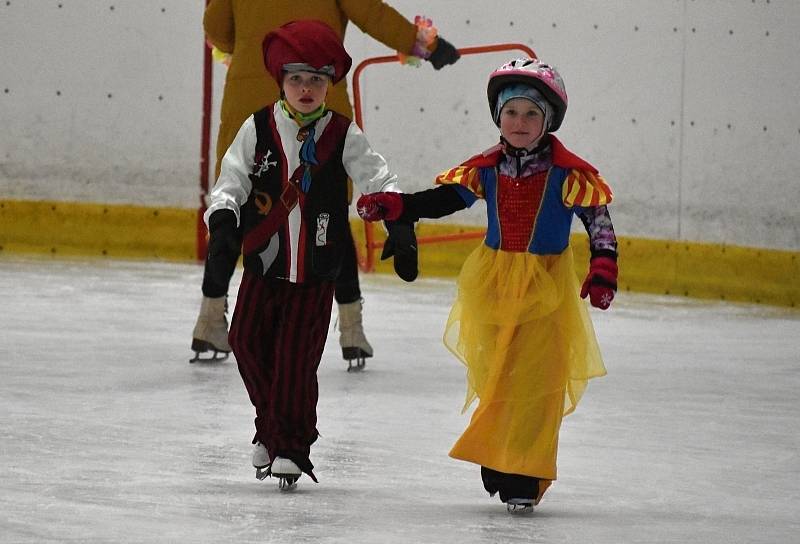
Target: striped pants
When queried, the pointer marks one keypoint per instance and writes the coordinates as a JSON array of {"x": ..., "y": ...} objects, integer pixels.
[{"x": 278, "y": 333}]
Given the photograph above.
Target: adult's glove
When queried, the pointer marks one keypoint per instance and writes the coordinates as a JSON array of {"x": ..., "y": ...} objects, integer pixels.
[
  {"x": 601, "y": 282},
  {"x": 223, "y": 246},
  {"x": 380, "y": 206},
  {"x": 402, "y": 244},
  {"x": 444, "y": 54}
]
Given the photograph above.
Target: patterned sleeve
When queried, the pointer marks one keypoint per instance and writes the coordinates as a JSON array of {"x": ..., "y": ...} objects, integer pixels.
[{"x": 597, "y": 222}]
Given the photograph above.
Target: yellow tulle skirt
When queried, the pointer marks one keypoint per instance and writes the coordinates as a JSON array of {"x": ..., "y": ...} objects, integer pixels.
[{"x": 529, "y": 346}]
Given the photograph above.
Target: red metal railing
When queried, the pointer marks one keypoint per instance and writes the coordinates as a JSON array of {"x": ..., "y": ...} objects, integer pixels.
[{"x": 367, "y": 261}]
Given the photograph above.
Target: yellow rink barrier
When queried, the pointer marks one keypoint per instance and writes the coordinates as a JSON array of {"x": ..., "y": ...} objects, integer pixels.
[
  {"x": 97, "y": 230},
  {"x": 701, "y": 270}
]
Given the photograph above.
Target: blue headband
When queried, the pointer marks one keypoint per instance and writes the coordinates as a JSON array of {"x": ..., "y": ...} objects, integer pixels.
[{"x": 520, "y": 90}]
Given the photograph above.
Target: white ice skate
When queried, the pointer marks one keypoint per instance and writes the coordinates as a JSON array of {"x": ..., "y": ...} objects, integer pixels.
[
  {"x": 261, "y": 460},
  {"x": 286, "y": 471},
  {"x": 519, "y": 506},
  {"x": 355, "y": 348},
  {"x": 211, "y": 331}
]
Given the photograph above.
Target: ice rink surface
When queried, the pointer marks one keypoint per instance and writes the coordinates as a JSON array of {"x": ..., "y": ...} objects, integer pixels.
[{"x": 108, "y": 434}]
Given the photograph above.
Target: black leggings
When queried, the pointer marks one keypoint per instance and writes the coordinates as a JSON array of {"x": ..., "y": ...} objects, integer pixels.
[
  {"x": 510, "y": 486},
  {"x": 347, "y": 286}
]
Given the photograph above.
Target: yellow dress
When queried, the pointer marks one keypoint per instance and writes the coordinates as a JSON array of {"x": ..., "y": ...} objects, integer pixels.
[{"x": 529, "y": 346}]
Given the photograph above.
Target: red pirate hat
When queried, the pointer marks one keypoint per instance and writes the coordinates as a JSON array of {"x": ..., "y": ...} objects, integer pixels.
[{"x": 308, "y": 42}]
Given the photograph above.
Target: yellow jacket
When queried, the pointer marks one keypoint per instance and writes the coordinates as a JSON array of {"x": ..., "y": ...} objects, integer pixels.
[{"x": 239, "y": 26}]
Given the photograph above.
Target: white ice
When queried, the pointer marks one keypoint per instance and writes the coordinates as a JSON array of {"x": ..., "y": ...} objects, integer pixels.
[{"x": 108, "y": 434}]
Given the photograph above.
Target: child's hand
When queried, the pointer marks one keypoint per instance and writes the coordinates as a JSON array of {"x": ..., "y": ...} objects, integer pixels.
[
  {"x": 380, "y": 206},
  {"x": 601, "y": 282}
]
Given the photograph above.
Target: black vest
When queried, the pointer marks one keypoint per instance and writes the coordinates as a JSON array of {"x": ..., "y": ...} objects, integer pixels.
[{"x": 275, "y": 191}]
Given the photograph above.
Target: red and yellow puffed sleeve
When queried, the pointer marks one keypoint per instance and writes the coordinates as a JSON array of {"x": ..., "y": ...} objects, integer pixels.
[
  {"x": 584, "y": 186},
  {"x": 465, "y": 176},
  {"x": 468, "y": 173},
  {"x": 584, "y": 189}
]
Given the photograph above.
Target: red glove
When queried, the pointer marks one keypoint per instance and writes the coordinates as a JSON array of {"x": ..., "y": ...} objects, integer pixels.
[
  {"x": 601, "y": 282},
  {"x": 380, "y": 206}
]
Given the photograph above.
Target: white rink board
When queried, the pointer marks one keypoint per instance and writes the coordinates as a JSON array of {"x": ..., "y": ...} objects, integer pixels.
[{"x": 654, "y": 86}]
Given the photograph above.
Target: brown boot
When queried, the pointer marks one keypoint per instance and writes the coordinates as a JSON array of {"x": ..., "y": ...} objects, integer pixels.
[
  {"x": 211, "y": 331},
  {"x": 355, "y": 348}
]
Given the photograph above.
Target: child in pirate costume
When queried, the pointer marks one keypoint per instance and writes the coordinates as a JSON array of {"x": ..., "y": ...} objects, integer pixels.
[
  {"x": 236, "y": 28},
  {"x": 284, "y": 181},
  {"x": 518, "y": 323}
]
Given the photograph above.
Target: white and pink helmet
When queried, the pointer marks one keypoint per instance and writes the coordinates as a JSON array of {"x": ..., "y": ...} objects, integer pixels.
[{"x": 538, "y": 75}]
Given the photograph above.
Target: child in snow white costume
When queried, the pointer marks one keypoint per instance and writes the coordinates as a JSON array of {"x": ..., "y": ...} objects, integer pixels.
[
  {"x": 517, "y": 324},
  {"x": 284, "y": 182}
]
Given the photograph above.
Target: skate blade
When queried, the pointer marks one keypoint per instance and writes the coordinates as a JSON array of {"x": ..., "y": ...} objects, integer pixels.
[
  {"x": 287, "y": 483},
  {"x": 202, "y": 347},
  {"x": 356, "y": 365},
  {"x": 356, "y": 358},
  {"x": 519, "y": 507},
  {"x": 217, "y": 357}
]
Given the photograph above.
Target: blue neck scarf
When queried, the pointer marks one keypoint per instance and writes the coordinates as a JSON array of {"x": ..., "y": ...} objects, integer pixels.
[{"x": 308, "y": 150}]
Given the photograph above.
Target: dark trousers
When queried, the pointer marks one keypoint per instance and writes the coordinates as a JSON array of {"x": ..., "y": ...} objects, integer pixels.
[
  {"x": 510, "y": 486},
  {"x": 347, "y": 286},
  {"x": 277, "y": 334}
]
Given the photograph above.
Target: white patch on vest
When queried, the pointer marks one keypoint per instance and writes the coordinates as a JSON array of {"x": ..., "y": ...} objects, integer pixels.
[
  {"x": 268, "y": 255},
  {"x": 265, "y": 163},
  {"x": 322, "y": 229}
]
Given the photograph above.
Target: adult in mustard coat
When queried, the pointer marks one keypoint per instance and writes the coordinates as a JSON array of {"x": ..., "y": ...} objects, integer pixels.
[{"x": 238, "y": 27}]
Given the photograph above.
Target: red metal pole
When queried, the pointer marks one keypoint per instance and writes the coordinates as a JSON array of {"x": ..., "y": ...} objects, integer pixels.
[
  {"x": 205, "y": 142},
  {"x": 367, "y": 264}
]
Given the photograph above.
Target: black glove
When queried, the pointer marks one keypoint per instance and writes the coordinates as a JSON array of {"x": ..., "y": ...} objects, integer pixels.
[
  {"x": 224, "y": 246},
  {"x": 444, "y": 54},
  {"x": 402, "y": 243}
]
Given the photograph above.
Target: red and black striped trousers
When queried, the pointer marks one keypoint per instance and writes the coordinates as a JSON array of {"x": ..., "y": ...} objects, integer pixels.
[{"x": 278, "y": 333}]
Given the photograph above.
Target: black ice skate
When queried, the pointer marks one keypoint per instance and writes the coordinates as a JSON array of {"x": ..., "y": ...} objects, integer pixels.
[
  {"x": 519, "y": 506},
  {"x": 516, "y": 490}
]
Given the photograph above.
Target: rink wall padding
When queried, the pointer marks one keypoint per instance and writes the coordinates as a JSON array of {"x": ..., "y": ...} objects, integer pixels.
[
  {"x": 701, "y": 270},
  {"x": 97, "y": 230}
]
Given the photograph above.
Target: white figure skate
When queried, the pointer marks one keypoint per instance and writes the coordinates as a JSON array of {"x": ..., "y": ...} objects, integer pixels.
[
  {"x": 286, "y": 471},
  {"x": 261, "y": 460}
]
